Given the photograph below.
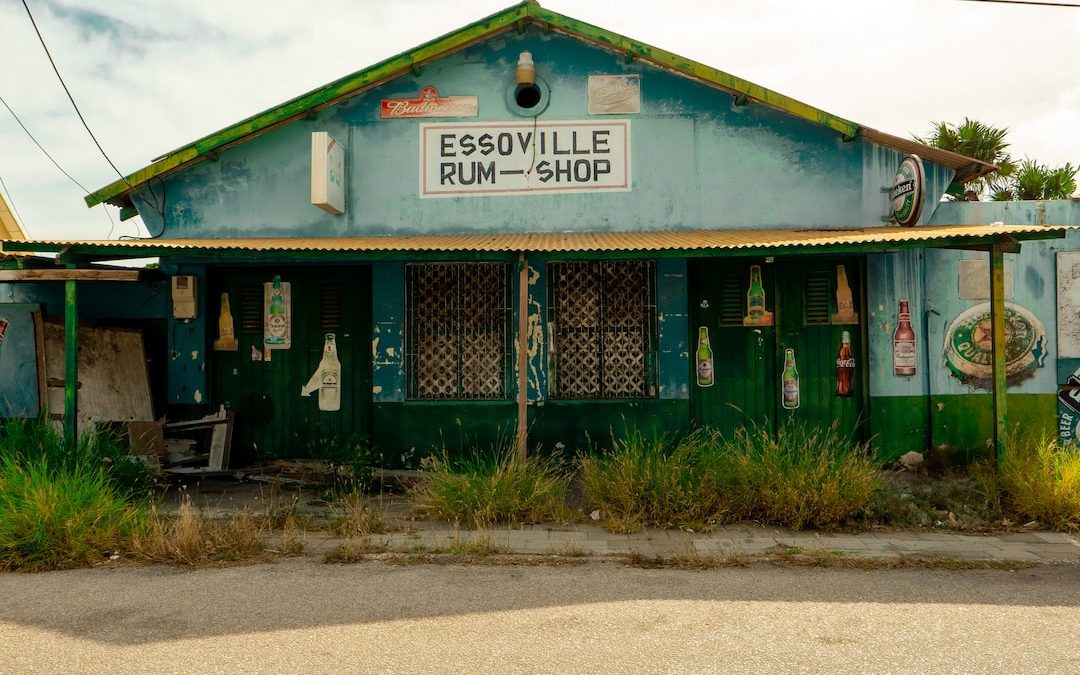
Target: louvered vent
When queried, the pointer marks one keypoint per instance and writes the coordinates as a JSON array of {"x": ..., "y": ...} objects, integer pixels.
[
  {"x": 733, "y": 286},
  {"x": 816, "y": 297},
  {"x": 251, "y": 306},
  {"x": 330, "y": 309}
]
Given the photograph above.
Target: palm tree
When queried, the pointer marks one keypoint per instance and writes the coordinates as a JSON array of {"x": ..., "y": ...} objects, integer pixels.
[
  {"x": 1033, "y": 180},
  {"x": 979, "y": 141}
]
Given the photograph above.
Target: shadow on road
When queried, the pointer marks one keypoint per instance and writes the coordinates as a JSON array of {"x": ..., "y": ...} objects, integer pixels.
[{"x": 131, "y": 606}]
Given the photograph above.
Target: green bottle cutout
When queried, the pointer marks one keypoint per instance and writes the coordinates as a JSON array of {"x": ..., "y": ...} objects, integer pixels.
[
  {"x": 755, "y": 296},
  {"x": 277, "y": 323},
  {"x": 790, "y": 381},
  {"x": 704, "y": 359}
]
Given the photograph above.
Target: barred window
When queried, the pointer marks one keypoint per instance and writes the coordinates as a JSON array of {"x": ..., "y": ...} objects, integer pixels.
[
  {"x": 456, "y": 321},
  {"x": 603, "y": 324}
]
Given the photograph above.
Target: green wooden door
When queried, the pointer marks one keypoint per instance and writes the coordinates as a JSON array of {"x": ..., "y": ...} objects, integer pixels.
[
  {"x": 810, "y": 323},
  {"x": 743, "y": 365},
  {"x": 801, "y": 313},
  {"x": 273, "y": 420}
]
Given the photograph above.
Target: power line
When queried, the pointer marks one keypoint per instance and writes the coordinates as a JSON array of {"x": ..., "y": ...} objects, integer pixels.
[
  {"x": 42, "y": 149},
  {"x": 1028, "y": 2},
  {"x": 78, "y": 112},
  {"x": 112, "y": 223}
]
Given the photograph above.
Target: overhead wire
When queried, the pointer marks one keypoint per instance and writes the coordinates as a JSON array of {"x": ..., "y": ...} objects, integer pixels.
[
  {"x": 112, "y": 223},
  {"x": 78, "y": 112},
  {"x": 1036, "y": 3}
]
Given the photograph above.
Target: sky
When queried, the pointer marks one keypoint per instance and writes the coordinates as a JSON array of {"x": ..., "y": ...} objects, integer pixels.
[{"x": 152, "y": 75}]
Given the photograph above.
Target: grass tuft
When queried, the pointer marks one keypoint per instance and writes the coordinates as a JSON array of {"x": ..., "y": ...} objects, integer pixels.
[
  {"x": 188, "y": 538},
  {"x": 1040, "y": 479},
  {"x": 494, "y": 487},
  {"x": 59, "y": 518},
  {"x": 356, "y": 517}
]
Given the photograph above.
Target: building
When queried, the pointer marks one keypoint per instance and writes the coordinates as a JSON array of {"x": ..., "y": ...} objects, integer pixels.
[{"x": 528, "y": 229}]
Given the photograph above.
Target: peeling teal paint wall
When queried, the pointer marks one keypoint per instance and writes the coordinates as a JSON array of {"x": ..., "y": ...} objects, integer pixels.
[{"x": 699, "y": 161}]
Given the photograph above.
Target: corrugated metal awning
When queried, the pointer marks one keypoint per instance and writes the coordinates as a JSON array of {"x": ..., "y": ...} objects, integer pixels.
[{"x": 566, "y": 242}]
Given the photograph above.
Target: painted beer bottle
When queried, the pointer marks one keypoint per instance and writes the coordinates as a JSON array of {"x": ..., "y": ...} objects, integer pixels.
[
  {"x": 904, "y": 343},
  {"x": 277, "y": 321},
  {"x": 330, "y": 376},
  {"x": 705, "y": 373},
  {"x": 845, "y": 366},
  {"x": 755, "y": 296},
  {"x": 789, "y": 382}
]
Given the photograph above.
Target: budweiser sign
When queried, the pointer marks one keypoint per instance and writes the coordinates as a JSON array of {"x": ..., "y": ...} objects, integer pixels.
[{"x": 428, "y": 103}]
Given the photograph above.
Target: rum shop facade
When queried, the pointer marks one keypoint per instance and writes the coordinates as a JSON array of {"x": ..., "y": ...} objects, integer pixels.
[{"x": 499, "y": 257}]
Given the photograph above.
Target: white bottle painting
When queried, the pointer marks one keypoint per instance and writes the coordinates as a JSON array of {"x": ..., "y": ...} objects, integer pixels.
[{"x": 326, "y": 378}]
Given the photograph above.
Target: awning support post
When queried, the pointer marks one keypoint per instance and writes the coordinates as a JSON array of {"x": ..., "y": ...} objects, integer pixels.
[
  {"x": 998, "y": 341},
  {"x": 523, "y": 357},
  {"x": 71, "y": 364}
]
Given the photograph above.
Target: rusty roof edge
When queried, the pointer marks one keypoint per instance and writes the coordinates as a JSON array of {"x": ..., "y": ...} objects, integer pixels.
[{"x": 967, "y": 168}]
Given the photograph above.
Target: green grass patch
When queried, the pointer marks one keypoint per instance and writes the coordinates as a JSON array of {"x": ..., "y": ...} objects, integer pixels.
[
  {"x": 60, "y": 518},
  {"x": 797, "y": 477},
  {"x": 493, "y": 487},
  {"x": 1040, "y": 479}
]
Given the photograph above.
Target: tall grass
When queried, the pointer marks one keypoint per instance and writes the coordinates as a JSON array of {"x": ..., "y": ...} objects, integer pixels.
[
  {"x": 1040, "y": 479},
  {"x": 798, "y": 476},
  {"x": 657, "y": 481},
  {"x": 98, "y": 448},
  {"x": 492, "y": 487},
  {"x": 59, "y": 518},
  {"x": 189, "y": 538}
]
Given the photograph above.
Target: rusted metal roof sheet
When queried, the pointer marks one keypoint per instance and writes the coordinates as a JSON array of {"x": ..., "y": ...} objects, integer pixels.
[{"x": 560, "y": 242}]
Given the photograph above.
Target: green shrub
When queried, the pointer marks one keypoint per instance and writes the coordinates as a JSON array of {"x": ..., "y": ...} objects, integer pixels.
[
  {"x": 655, "y": 481},
  {"x": 59, "y": 518},
  {"x": 493, "y": 487},
  {"x": 27, "y": 441},
  {"x": 1040, "y": 479},
  {"x": 798, "y": 476}
]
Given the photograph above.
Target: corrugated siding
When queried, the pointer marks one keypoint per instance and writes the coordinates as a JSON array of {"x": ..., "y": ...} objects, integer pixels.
[{"x": 577, "y": 241}]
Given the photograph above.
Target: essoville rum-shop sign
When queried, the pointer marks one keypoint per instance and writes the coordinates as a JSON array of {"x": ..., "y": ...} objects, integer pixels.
[{"x": 513, "y": 158}]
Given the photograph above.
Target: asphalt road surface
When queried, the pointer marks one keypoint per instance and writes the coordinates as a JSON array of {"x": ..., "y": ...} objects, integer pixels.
[{"x": 301, "y": 616}]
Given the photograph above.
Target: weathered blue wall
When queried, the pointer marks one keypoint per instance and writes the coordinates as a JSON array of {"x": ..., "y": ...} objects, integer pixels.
[{"x": 699, "y": 161}]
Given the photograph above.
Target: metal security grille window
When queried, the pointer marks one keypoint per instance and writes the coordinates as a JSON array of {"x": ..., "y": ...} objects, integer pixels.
[
  {"x": 456, "y": 342},
  {"x": 603, "y": 319}
]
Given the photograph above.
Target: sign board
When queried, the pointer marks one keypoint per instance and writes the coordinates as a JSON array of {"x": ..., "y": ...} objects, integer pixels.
[
  {"x": 327, "y": 173},
  {"x": 428, "y": 103},
  {"x": 277, "y": 316},
  {"x": 1068, "y": 304},
  {"x": 533, "y": 157},
  {"x": 614, "y": 94},
  {"x": 968, "y": 348},
  {"x": 908, "y": 191},
  {"x": 975, "y": 279}
]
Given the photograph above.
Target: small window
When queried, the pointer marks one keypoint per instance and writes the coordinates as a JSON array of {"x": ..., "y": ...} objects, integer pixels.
[
  {"x": 603, "y": 317},
  {"x": 816, "y": 294},
  {"x": 457, "y": 321},
  {"x": 251, "y": 308}
]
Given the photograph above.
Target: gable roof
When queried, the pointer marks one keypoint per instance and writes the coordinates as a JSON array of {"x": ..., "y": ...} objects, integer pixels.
[
  {"x": 9, "y": 227},
  {"x": 512, "y": 18}
]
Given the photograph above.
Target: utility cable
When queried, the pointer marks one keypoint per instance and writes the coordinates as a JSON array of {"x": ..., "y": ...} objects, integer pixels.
[
  {"x": 1028, "y": 2},
  {"x": 112, "y": 223},
  {"x": 78, "y": 112}
]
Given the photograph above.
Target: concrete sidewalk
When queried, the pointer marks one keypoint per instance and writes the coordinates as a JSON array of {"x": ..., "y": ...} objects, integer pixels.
[{"x": 733, "y": 540}]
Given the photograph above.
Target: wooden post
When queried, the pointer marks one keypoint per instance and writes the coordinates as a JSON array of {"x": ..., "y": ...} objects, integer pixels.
[
  {"x": 523, "y": 356},
  {"x": 998, "y": 340},
  {"x": 71, "y": 365}
]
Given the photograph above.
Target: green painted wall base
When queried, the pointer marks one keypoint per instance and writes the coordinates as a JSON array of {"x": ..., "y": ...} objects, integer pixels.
[
  {"x": 962, "y": 423},
  {"x": 405, "y": 433}
]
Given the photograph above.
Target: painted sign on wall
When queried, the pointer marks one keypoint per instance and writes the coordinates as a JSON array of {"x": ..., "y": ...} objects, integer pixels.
[
  {"x": 614, "y": 94},
  {"x": 327, "y": 377},
  {"x": 513, "y": 158},
  {"x": 1069, "y": 404},
  {"x": 428, "y": 103},
  {"x": 908, "y": 191},
  {"x": 277, "y": 315},
  {"x": 968, "y": 348},
  {"x": 1068, "y": 304}
]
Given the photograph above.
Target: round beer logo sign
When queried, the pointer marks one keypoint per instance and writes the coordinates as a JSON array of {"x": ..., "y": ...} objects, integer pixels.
[
  {"x": 908, "y": 191},
  {"x": 969, "y": 350}
]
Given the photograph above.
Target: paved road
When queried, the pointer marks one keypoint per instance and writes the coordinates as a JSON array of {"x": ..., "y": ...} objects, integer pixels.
[{"x": 302, "y": 616}]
